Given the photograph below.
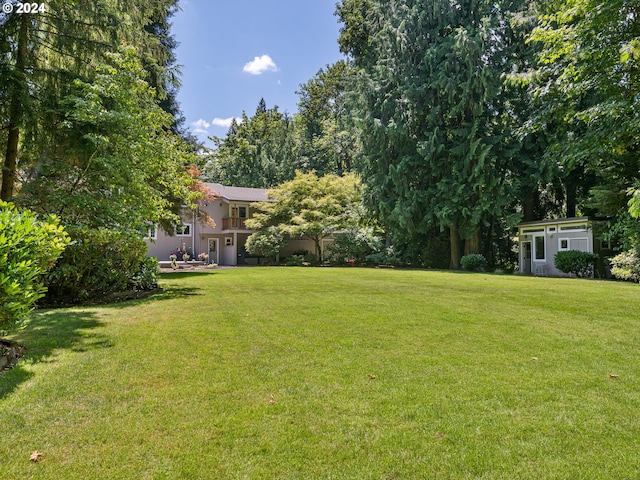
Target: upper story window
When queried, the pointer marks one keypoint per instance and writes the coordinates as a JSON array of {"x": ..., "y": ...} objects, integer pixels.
[
  {"x": 239, "y": 212},
  {"x": 152, "y": 232},
  {"x": 183, "y": 230}
]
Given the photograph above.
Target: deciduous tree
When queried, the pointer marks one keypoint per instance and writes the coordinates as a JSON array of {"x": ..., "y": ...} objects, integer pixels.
[{"x": 308, "y": 207}]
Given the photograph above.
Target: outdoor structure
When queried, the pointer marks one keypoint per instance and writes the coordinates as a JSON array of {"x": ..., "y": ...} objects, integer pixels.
[
  {"x": 224, "y": 243},
  {"x": 540, "y": 241}
]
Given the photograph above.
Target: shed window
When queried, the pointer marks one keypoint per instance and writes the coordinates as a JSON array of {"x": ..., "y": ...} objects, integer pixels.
[{"x": 539, "y": 248}]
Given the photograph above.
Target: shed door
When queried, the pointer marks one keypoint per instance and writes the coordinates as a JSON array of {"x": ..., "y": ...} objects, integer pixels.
[{"x": 526, "y": 257}]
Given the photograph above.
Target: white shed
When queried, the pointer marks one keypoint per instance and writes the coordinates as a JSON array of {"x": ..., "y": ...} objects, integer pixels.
[{"x": 540, "y": 241}]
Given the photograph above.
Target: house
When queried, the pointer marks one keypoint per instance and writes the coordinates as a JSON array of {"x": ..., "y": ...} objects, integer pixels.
[
  {"x": 224, "y": 243},
  {"x": 539, "y": 242}
]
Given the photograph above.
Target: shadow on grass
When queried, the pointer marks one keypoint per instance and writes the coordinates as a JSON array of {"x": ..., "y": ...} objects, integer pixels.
[
  {"x": 186, "y": 274},
  {"x": 170, "y": 292},
  {"x": 50, "y": 330}
]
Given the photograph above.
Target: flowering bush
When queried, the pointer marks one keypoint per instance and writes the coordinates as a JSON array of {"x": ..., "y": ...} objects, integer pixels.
[
  {"x": 203, "y": 256},
  {"x": 626, "y": 266}
]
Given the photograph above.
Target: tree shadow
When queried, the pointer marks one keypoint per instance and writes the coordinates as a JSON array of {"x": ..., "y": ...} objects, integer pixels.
[
  {"x": 186, "y": 274},
  {"x": 48, "y": 331},
  {"x": 77, "y": 330}
]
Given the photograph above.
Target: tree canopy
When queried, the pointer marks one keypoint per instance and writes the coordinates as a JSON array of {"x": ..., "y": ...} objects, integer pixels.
[
  {"x": 75, "y": 135},
  {"x": 308, "y": 206}
]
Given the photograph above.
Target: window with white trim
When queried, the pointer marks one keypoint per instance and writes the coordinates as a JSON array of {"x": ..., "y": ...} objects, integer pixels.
[
  {"x": 183, "y": 230},
  {"x": 563, "y": 244},
  {"x": 539, "y": 247},
  {"x": 152, "y": 232},
  {"x": 573, "y": 228}
]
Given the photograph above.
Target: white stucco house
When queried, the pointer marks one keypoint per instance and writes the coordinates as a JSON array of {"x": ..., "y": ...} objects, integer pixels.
[
  {"x": 539, "y": 242},
  {"x": 225, "y": 242}
]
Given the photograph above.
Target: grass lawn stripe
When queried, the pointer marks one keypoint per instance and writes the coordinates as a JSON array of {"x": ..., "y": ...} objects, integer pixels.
[{"x": 332, "y": 373}]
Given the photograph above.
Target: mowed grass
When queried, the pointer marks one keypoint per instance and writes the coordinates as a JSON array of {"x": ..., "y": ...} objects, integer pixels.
[{"x": 305, "y": 373}]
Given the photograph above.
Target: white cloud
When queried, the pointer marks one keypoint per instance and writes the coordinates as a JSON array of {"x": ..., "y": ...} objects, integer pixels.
[
  {"x": 259, "y": 65},
  {"x": 200, "y": 127},
  {"x": 225, "y": 122}
]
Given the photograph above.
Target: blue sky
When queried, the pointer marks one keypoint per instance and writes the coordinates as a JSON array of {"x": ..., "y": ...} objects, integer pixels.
[{"x": 232, "y": 53}]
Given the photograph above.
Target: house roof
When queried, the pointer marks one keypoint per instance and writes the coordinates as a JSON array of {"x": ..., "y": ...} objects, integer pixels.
[
  {"x": 241, "y": 194},
  {"x": 555, "y": 221}
]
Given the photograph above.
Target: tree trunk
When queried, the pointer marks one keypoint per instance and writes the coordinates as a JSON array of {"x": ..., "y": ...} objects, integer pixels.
[
  {"x": 318, "y": 250},
  {"x": 529, "y": 206},
  {"x": 571, "y": 199},
  {"x": 488, "y": 245},
  {"x": 456, "y": 251},
  {"x": 472, "y": 245},
  {"x": 15, "y": 115}
]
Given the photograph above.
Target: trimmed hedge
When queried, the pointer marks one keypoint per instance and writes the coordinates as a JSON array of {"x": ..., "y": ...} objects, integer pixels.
[
  {"x": 100, "y": 262},
  {"x": 28, "y": 249},
  {"x": 575, "y": 262}
]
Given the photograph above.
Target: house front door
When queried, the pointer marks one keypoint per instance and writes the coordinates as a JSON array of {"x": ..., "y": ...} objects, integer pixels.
[
  {"x": 213, "y": 251},
  {"x": 526, "y": 257}
]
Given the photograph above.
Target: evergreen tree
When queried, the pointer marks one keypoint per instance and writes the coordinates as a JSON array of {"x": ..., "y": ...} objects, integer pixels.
[
  {"x": 428, "y": 101},
  {"x": 328, "y": 143},
  {"x": 259, "y": 151}
]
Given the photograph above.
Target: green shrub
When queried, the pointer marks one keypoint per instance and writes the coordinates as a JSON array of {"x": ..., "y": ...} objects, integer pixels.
[
  {"x": 387, "y": 256},
  {"x": 96, "y": 263},
  {"x": 147, "y": 276},
  {"x": 28, "y": 249},
  {"x": 580, "y": 264},
  {"x": 265, "y": 243},
  {"x": 354, "y": 244},
  {"x": 301, "y": 257},
  {"x": 473, "y": 262},
  {"x": 294, "y": 260},
  {"x": 626, "y": 266}
]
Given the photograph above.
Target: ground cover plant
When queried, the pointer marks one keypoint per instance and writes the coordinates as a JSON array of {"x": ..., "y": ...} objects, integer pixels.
[{"x": 340, "y": 373}]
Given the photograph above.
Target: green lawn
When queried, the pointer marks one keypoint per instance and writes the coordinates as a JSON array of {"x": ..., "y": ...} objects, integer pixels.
[{"x": 305, "y": 373}]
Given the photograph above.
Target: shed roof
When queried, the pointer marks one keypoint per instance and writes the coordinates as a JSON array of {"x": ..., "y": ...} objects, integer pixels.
[
  {"x": 554, "y": 221},
  {"x": 240, "y": 194}
]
